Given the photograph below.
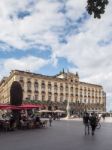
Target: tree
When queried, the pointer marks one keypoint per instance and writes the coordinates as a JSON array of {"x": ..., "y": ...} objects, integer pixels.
[
  {"x": 16, "y": 97},
  {"x": 96, "y": 7},
  {"x": 16, "y": 94}
]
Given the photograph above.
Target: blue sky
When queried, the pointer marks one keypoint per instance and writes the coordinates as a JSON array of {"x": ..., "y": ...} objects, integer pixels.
[{"x": 45, "y": 36}]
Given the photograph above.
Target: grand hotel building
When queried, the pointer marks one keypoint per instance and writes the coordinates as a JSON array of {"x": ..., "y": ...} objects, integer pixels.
[{"x": 56, "y": 89}]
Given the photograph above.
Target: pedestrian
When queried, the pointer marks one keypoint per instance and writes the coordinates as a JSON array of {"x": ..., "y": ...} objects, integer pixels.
[
  {"x": 86, "y": 122},
  {"x": 103, "y": 116},
  {"x": 50, "y": 120},
  {"x": 93, "y": 122}
]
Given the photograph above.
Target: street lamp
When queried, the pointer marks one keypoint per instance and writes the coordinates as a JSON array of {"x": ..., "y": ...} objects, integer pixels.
[{"x": 68, "y": 109}]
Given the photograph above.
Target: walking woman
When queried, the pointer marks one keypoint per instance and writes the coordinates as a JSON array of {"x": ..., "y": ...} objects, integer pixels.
[{"x": 93, "y": 122}]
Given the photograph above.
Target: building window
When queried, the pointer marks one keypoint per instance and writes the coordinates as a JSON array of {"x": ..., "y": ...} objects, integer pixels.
[
  {"x": 66, "y": 94},
  {"x": 61, "y": 87},
  {"x": 49, "y": 98},
  {"x": 29, "y": 97},
  {"x": 93, "y": 90},
  {"x": 72, "y": 95},
  {"x": 71, "y": 89},
  {"x": 43, "y": 85},
  {"x": 76, "y": 82},
  {"x": 81, "y": 89},
  {"x": 49, "y": 86},
  {"x": 29, "y": 86},
  {"x": 49, "y": 93},
  {"x": 85, "y": 89},
  {"x": 88, "y": 89},
  {"x": 55, "y": 87},
  {"x": 21, "y": 82},
  {"x": 21, "y": 79},
  {"x": 81, "y": 100},
  {"x": 36, "y": 97},
  {"x": 84, "y": 100},
  {"x": 43, "y": 98},
  {"x": 43, "y": 93},
  {"x": 55, "y": 94},
  {"x": 71, "y": 81},
  {"x": 55, "y": 99},
  {"x": 66, "y": 88},
  {"x": 72, "y": 99},
  {"x": 61, "y": 94},
  {"x": 61, "y": 99},
  {"x": 81, "y": 94},
  {"x": 36, "y": 86},
  {"x": 76, "y": 89}
]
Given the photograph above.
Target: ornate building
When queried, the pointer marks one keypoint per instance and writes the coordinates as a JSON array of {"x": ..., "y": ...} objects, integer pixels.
[{"x": 56, "y": 90}]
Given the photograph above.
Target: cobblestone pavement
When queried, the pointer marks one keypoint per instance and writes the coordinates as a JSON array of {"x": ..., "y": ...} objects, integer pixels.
[{"x": 63, "y": 135}]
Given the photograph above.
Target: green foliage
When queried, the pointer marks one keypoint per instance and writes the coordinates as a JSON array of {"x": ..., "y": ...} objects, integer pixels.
[
  {"x": 28, "y": 101},
  {"x": 16, "y": 94},
  {"x": 96, "y": 7}
]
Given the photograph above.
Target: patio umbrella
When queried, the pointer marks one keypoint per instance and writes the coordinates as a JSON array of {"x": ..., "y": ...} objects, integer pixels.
[
  {"x": 59, "y": 111},
  {"x": 45, "y": 110}
]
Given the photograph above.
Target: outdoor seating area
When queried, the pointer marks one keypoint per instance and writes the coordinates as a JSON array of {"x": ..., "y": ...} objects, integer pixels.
[
  {"x": 56, "y": 114},
  {"x": 24, "y": 123},
  {"x": 27, "y": 119}
]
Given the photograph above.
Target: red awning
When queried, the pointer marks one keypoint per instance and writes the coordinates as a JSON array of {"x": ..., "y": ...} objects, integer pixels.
[
  {"x": 29, "y": 106},
  {"x": 23, "y": 106},
  {"x": 7, "y": 106}
]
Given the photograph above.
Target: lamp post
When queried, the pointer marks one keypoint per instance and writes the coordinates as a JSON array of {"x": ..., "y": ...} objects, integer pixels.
[{"x": 68, "y": 109}]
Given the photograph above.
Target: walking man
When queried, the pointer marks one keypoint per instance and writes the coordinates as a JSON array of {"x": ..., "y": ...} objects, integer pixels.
[
  {"x": 86, "y": 122},
  {"x": 93, "y": 122},
  {"x": 50, "y": 120}
]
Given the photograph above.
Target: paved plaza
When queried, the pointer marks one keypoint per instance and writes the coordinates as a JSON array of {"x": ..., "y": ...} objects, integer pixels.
[{"x": 63, "y": 135}]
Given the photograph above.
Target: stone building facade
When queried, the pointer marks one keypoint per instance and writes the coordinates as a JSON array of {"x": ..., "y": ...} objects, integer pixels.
[{"x": 56, "y": 90}]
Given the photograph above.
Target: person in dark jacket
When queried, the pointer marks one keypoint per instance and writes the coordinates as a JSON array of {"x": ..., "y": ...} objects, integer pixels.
[
  {"x": 50, "y": 120},
  {"x": 93, "y": 122},
  {"x": 86, "y": 122}
]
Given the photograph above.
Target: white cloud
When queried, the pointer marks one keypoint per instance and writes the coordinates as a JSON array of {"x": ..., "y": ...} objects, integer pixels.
[
  {"x": 30, "y": 63},
  {"x": 42, "y": 18},
  {"x": 75, "y": 8}
]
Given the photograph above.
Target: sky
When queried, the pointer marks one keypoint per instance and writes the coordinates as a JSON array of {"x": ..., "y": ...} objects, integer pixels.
[{"x": 45, "y": 36}]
